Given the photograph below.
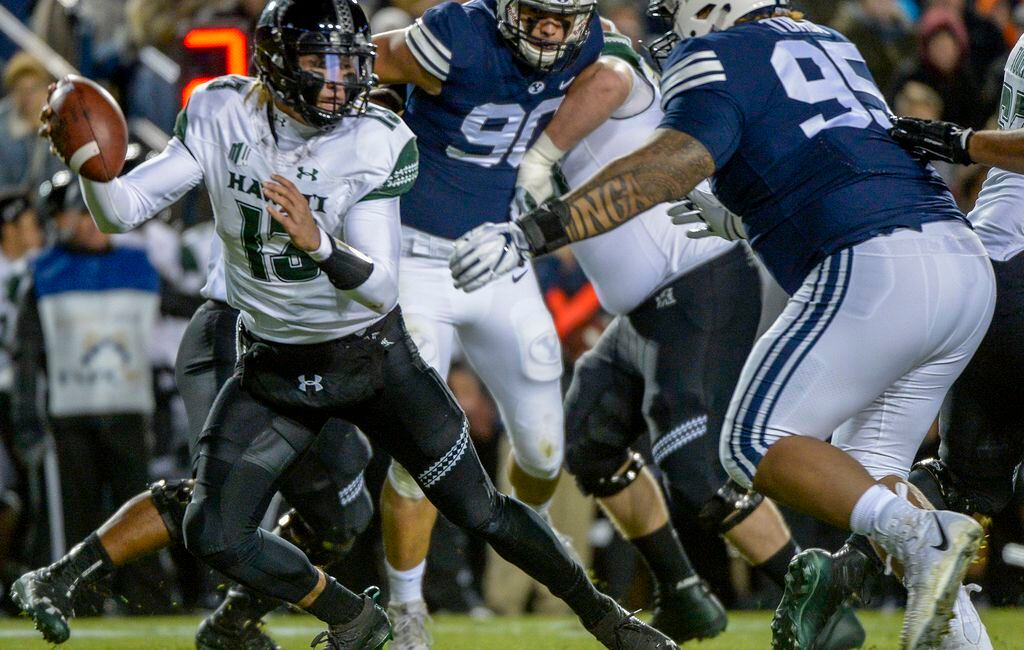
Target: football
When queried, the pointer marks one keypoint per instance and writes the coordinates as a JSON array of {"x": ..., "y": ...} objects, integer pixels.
[{"x": 88, "y": 129}]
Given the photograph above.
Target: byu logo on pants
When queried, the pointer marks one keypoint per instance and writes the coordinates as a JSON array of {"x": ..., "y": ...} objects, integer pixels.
[{"x": 305, "y": 385}]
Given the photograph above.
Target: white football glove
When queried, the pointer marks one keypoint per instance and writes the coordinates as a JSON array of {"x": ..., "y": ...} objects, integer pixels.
[
  {"x": 535, "y": 181},
  {"x": 712, "y": 218},
  {"x": 486, "y": 253}
]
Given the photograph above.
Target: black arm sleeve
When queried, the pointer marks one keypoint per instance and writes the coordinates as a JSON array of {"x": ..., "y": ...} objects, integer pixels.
[{"x": 346, "y": 268}]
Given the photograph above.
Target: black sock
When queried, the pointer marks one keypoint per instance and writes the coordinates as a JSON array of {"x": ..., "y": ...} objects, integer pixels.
[
  {"x": 776, "y": 566},
  {"x": 336, "y": 605},
  {"x": 589, "y": 604},
  {"x": 665, "y": 557},
  {"x": 86, "y": 563}
]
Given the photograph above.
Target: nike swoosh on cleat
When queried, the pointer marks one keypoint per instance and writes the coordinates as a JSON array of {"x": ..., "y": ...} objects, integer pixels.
[{"x": 944, "y": 544}]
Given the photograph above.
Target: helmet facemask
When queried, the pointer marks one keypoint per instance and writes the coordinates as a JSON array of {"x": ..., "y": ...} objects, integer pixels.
[
  {"x": 518, "y": 20},
  {"x": 322, "y": 70}
]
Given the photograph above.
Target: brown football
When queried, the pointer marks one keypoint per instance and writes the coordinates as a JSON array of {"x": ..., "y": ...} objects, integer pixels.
[{"x": 88, "y": 129}]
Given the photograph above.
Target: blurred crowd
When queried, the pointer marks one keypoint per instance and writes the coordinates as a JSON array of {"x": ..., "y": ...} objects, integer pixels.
[{"x": 88, "y": 408}]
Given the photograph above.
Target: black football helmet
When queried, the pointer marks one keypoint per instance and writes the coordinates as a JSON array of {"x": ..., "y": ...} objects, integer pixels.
[{"x": 303, "y": 47}]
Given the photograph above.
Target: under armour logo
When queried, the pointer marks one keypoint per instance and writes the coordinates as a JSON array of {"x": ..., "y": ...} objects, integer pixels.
[
  {"x": 305, "y": 385},
  {"x": 385, "y": 343},
  {"x": 666, "y": 298},
  {"x": 301, "y": 172}
]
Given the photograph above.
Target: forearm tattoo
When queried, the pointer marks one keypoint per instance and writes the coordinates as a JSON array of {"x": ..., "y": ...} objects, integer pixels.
[{"x": 670, "y": 165}]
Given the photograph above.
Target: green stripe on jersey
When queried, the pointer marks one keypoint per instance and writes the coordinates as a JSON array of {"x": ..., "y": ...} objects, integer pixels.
[
  {"x": 402, "y": 177},
  {"x": 621, "y": 47}
]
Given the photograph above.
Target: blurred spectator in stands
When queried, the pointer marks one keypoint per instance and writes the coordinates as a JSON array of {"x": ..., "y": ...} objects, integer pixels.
[
  {"x": 25, "y": 161},
  {"x": 572, "y": 301},
  {"x": 943, "y": 67},
  {"x": 84, "y": 325},
  {"x": 916, "y": 99},
  {"x": 984, "y": 38},
  {"x": 882, "y": 32},
  {"x": 20, "y": 237},
  {"x": 819, "y": 11},
  {"x": 21, "y": 9},
  {"x": 1001, "y": 13}
]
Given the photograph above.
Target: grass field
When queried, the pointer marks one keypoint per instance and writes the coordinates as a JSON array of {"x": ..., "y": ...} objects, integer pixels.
[{"x": 746, "y": 630}]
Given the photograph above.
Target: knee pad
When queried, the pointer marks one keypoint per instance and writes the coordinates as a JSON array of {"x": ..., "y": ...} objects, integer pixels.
[
  {"x": 538, "y": 440},
  {"x": 171, "y": 498},
  {"x": 403, "y": 482},
  {"x": 606, "y": 477},
  {"x": 730, "y": 506},
  {"x": 321, "y": 547},
  {"x": 944, "y": 490}
]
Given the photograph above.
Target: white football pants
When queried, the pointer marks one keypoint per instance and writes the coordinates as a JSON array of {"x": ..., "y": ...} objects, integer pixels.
[
  {"x": 865, "y": 351},
  {"x": 508, "y": 337}
]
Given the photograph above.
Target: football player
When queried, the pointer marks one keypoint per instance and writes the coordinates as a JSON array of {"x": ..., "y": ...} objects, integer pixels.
[
  {"x": 891, "y": 290},
  {"x": 982, "y": 447},
  {"x": 687, "y": 315},
  {"x": 487, "y": 77},
  {"x": 294, "y": 161}
]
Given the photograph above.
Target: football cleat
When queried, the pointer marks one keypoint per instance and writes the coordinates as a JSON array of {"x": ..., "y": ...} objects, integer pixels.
[
  {"x": 46, "y": 597},
  {"x": 935, "y": 548},
  {"x": 966, "y": 631},
  {"x": 237, "y": 624},
  {"x": 409, "y": 625},
  {"x": 688, "y": 612},
  {"x": 370, "y": 630},
  {"x": 812, "y": 614},
  {"x": 621, "y": 630}
]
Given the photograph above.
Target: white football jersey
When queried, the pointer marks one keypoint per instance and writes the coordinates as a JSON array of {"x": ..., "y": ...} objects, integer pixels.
[
  {"x": 226, "y": 135},
  {"x": 998, "y": 215},
  {"x": 628, "y": 264}
]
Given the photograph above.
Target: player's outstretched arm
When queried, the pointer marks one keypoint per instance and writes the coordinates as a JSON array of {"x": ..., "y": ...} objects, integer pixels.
[
  {"x": 667, "y": 168},
  {"x": 396, "y": 64},
  {"x": 956, "y": 144},
  {"x": 129, "y": 201},
  {"x": 1002, "y": 149},
  {"x": 593, "y": 97},
  {"x": 366, "y": 266}
]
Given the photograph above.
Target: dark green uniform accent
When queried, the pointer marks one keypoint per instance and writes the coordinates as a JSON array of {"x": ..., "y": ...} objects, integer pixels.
[{"x": 402, "y": 177}]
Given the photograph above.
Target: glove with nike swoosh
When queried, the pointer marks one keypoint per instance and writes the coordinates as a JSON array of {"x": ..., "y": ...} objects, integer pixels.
[
  {"x": 712, "y": 219},
  {"x": 930, "y": 140},
  {"x": 486, "y": 253}
]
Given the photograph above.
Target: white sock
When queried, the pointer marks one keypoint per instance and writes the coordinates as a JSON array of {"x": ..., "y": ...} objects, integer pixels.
[
  {"x": 869, "y": 507},
  {"x": 406, "y": 586}
]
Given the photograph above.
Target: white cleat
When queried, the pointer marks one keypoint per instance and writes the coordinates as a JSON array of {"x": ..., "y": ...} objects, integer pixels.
[
  {"x": 409, "y": 626},
  {"x": 935, "y": 548},
  {"x": 966, "y": 631}
]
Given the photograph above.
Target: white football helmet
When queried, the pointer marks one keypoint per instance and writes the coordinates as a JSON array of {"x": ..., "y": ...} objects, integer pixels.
[
  {"x": 544, "y": 55},
  {"x": 693, "y": 18}
]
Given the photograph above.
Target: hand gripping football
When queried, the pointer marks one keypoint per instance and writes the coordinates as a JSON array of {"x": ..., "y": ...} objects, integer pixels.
[{"x": 87, "y": 128}]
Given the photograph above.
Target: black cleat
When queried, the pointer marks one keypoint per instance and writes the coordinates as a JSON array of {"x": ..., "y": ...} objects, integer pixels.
[
  {"x": 620, "y": 630},
  {"x": 370, "y": 630},
  {"x": 238, "y": 623},
  {"x": 689, "y": 612},
  {"x": 47, "y": 599}
]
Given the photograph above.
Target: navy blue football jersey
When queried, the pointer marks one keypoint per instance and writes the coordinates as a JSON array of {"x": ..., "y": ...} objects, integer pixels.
[
  {"x": 491, "y": 109},
  {"x": 799, "y": 133}
]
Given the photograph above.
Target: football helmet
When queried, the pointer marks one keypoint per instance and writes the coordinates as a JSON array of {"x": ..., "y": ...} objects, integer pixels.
[
  {"x": 517, "y": 28},
  {"x": 693, "y": 18},
  {"x": 306, "y": 47}
]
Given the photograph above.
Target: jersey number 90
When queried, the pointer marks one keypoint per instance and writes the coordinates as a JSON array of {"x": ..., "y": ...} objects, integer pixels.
[{"x": 501, "y": 132}]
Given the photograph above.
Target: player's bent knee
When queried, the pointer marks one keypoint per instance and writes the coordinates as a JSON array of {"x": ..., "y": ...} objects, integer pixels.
[
  {"x": 539, "y": 454},
  {"x": 934, "y": 478},
  {"x": 171, "y": 498},
  {"x": 730, "y": 505},
  {"x": 323, "y": 545},
  {"x": 403, "y": 482},
  {"x": 601, "y": 474}
]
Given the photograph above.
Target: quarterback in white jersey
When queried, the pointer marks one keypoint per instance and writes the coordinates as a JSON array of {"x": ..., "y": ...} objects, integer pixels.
[{"x": 304, "y": 178}]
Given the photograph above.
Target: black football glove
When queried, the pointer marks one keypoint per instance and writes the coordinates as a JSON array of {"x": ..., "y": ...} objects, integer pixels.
[{"x": 933, "y": 140}]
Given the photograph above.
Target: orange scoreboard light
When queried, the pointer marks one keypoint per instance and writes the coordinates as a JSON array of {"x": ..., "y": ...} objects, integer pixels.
[{"x": 228, "y": 45}]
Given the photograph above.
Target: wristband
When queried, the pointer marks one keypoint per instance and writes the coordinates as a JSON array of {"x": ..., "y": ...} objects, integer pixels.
[
  {"x": 345, "y": 267},
  {"x": 545, "y": 227}
]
